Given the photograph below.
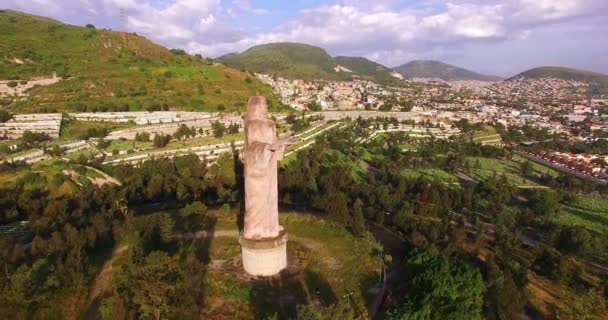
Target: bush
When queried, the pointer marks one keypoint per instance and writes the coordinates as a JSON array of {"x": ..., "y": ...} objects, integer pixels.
[
  {"x": 168, "y": 74},
  {"x": 142, "y": 136},
  {"x": 12, "y": 84},
  {"x": 5, "y": 115},
  {"x": 161, "y": 140},
  {"x": 90, "y": 26},
  {"x": 178, "y": 52}
]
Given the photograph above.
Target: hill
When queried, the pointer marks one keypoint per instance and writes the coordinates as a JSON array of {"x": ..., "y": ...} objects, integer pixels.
[
  {"x": 108, "y": 70},
  {"x": 564, "y": 73},
  {"x": 302, "y": 61},
  {"x": 367, "y": 69},
  {"x": 440, "y": 70},
  {"x": 288, "y": 60}
]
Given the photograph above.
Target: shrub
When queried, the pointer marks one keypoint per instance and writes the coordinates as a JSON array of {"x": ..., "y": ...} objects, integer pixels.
[
  {"x": 5, "y": 115},
  {"x": 12, "y": 84}
]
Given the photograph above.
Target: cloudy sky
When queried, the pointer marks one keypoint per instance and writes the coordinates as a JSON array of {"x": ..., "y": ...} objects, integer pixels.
[{"x": 494, "y": 37}]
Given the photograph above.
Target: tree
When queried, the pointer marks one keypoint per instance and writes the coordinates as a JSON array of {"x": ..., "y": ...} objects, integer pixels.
[
  {"x": 142, "y": 136},
  {"x": 155, "y": 187},
  {"x": 358, "y": 220},
  {"x": 5, "y": 116},
  {"x": 103, "y": 144},
  {"x": 544, "y": 203},
  {"x": 161, "y": 140},
  {"x": 440, "y": 289},
  {"x": 183, "y": 132},
  {"x": 233, "y": 128},
  {"x": 153, "y": 284},
  {"x": 218, "y": 129},
  {"x": 526, "y": 168}
]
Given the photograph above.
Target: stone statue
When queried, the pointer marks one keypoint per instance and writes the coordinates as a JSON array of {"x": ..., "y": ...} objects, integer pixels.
[{"x": 262, "y": 152}]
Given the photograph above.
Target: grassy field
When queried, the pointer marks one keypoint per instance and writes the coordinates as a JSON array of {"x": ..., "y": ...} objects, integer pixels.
[
  {"x": 206, "y": 141},
  {"x": 49, "y": 175},
  {"x": 125, "y": 145},
  {"x": 484, "y": 168},
  {"x": 75, "y": 129},
  {"x": 539, "y": 168},
  {"x": 86, "y": 153},
  {"x": 430, "y": 174},
  {"x": 488, "y": 136},
  {"x": 326, "y": 263},
  {"x": 586, "y": 211}
]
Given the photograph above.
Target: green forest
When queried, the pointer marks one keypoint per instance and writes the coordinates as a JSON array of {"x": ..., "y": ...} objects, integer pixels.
[{"x": 482, "y": 248}]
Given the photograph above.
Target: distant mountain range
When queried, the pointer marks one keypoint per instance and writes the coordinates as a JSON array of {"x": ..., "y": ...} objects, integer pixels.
[
  {"x": 564, "y": 73},
  {"x": 440, "y": 70},
  {"x": 301, "y": 61}
]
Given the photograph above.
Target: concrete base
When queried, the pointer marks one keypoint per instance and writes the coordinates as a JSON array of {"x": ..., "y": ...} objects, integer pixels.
[{"x": 264, "y": 257}]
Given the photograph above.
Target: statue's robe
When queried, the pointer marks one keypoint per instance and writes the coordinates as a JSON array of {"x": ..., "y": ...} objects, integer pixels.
[{"x": 262, "y": 152}]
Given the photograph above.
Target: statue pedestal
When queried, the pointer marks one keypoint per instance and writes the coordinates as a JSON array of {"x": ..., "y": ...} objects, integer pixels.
[{"x": 264, "y": 257}]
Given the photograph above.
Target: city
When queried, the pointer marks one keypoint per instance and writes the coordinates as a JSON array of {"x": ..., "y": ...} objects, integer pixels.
[{"x": 178, "y": 172}]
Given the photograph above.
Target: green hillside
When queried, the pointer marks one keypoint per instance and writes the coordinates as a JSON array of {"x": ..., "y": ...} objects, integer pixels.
[
  {"x": 108, "y": 70},
  {"x": 367, "y": 69},
  {"x": 564, "y": 73},
  {"x": 302, "y": 61},
  {"x": 289, "y": 60},
  {"x": 438, "y": 69}
]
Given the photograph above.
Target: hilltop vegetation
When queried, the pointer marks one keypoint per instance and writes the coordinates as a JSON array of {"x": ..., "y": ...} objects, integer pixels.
[
  {"x": 289, "y": 60},
  {"x": 438, "y": 69},
  {"x": 107, "y": 70},
  {"x": 301, "y": 61},
  {"x": 367, "y": 69},
  {"x": 564, "y": 73}
]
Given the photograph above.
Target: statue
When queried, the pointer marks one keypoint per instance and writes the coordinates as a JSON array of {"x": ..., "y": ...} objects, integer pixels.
[
  {"x": 262, "y": 152},
  {"x": 263, "y": 241}
]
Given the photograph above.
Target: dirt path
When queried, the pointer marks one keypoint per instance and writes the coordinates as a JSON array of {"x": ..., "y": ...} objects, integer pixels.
[
  {"x": 533, "y": 187},
  {"x": 106, "y": 178},
  {"x": 102, "y": 282}
]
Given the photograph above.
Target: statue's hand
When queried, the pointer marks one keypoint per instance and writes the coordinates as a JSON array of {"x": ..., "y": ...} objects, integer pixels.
[{"x": 276, "y": 146}]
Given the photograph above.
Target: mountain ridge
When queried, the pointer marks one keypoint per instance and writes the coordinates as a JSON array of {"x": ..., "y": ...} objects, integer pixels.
[
  {"x": 286, "y": 59},
  {"x": 302, "y": 61},
  {"x": 565, "y": 73},
  {"x": 440, "y": 70}
]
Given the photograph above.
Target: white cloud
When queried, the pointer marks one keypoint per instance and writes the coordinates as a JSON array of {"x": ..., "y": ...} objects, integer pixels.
[
  {"x": 246, "y": 5},
  {"x": 388, "y": 31}
]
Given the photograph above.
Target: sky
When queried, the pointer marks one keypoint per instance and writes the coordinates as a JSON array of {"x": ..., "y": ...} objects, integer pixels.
[{"x": 493, "y": 37}]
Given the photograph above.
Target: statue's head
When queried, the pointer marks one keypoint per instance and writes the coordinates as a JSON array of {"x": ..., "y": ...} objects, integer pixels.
[{"x": 257, "y": 108}]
